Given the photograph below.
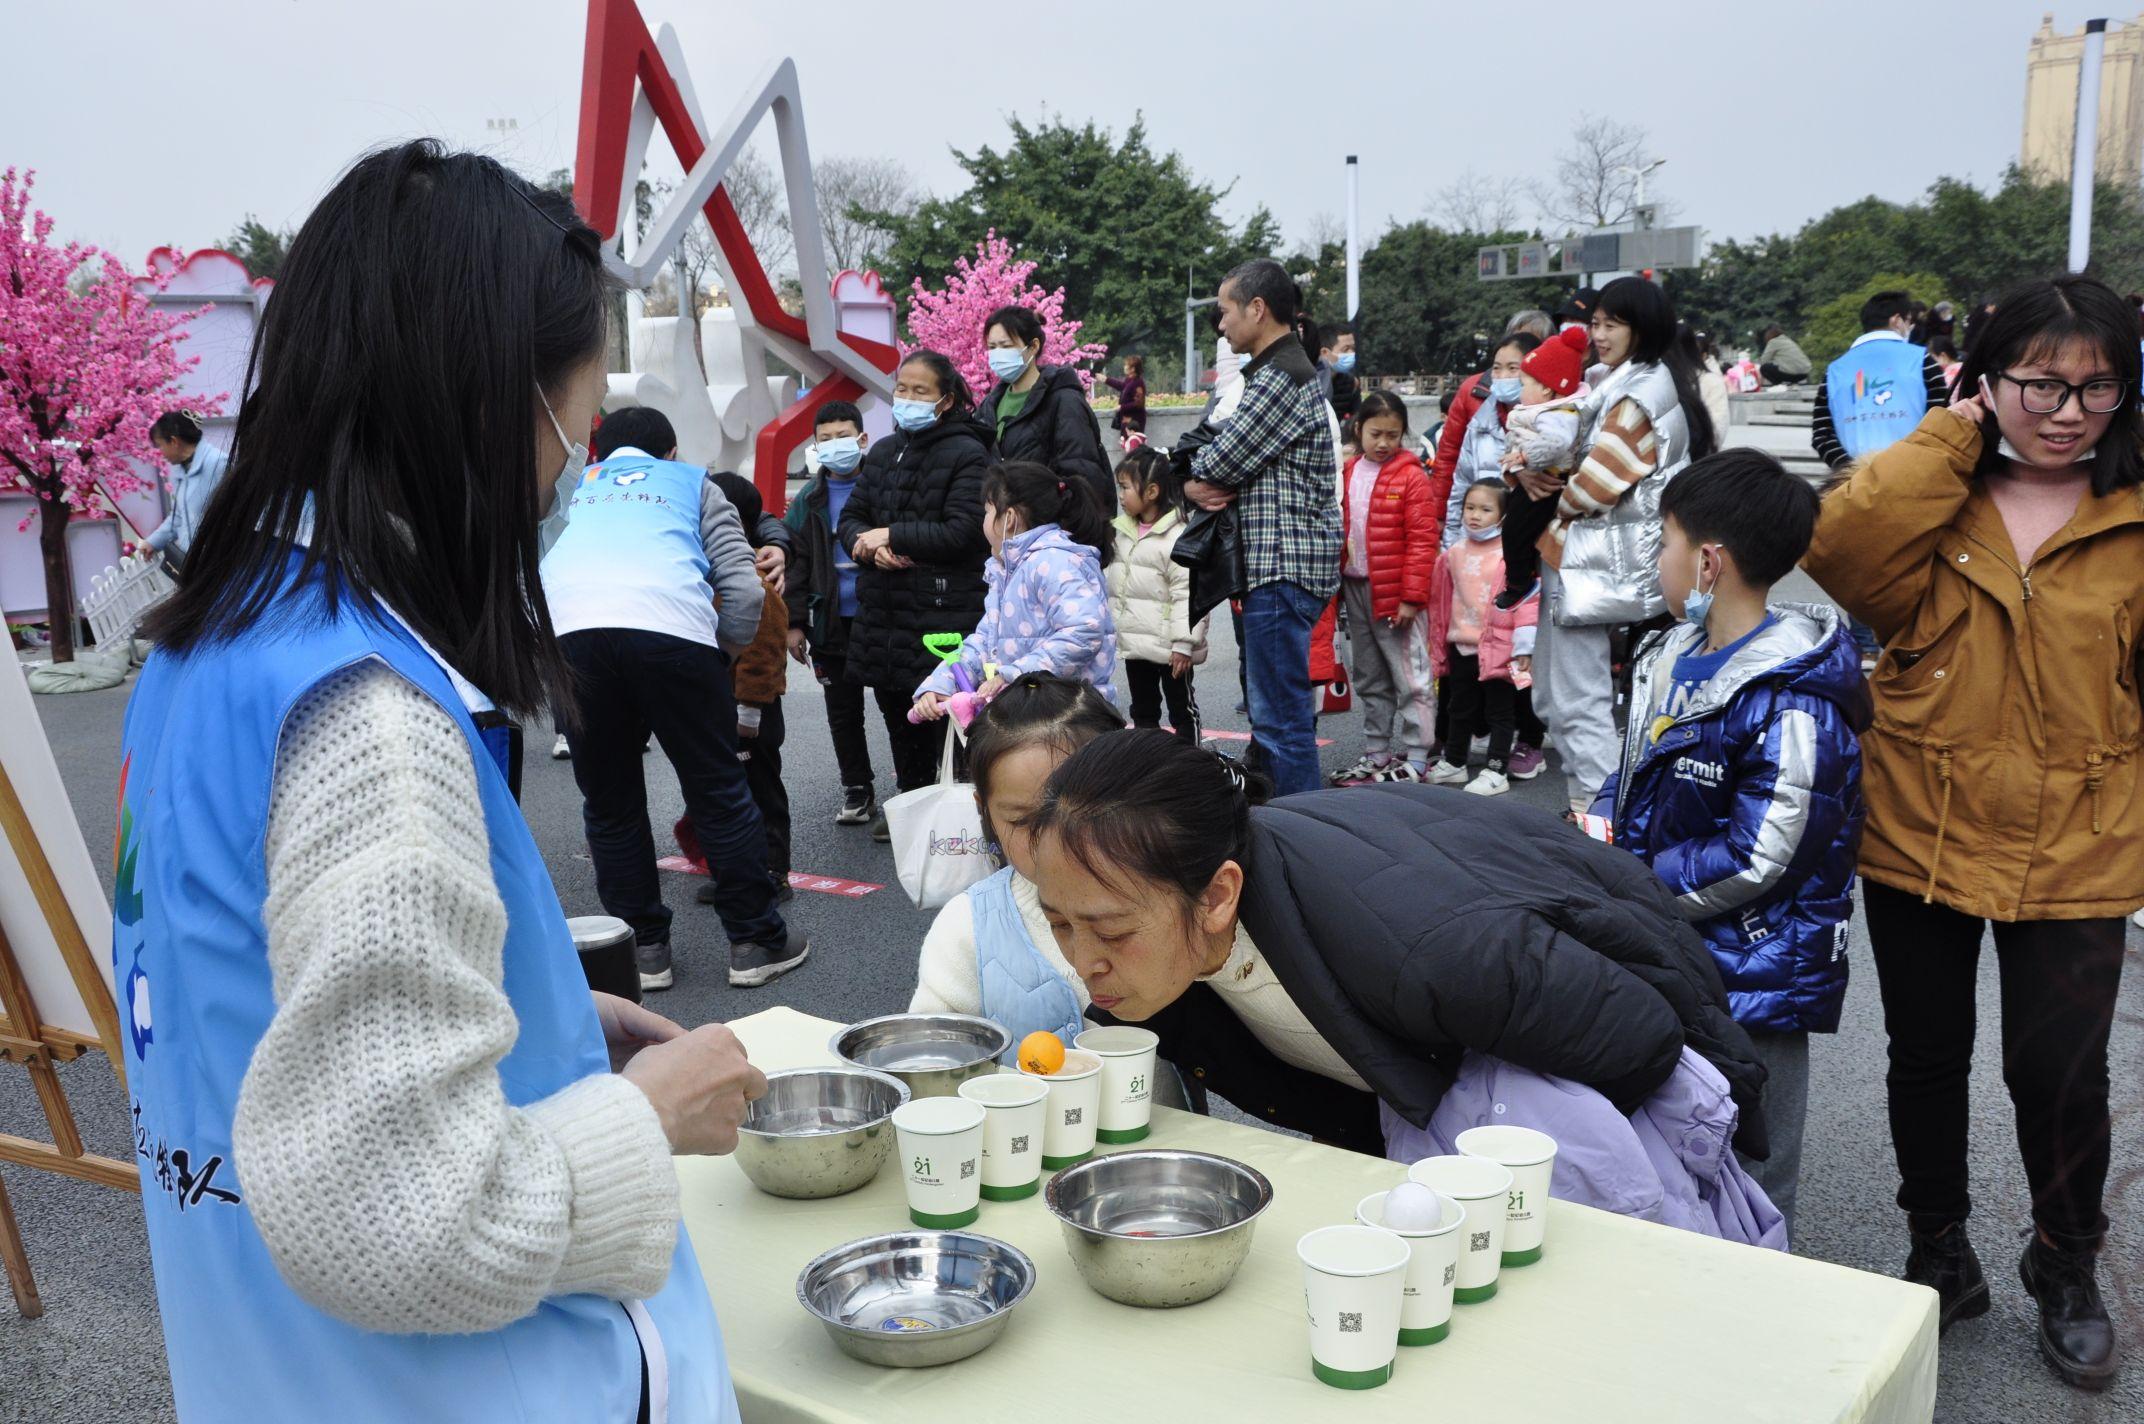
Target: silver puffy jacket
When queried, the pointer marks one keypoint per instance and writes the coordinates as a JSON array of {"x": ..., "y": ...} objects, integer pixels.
[{"x": 1611, "y": 565}]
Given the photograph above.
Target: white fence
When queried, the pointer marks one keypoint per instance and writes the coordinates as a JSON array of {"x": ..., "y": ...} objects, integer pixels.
[{"x": 120, "y": 595}]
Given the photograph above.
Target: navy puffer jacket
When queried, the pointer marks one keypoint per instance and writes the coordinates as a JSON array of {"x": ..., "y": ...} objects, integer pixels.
[{"x": 1748, "y": 806}]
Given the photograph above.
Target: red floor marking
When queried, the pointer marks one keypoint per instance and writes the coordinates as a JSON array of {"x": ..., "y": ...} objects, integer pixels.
[
  {"x": 1213, "y": 736},
  {"x": 798, "y": 880}
]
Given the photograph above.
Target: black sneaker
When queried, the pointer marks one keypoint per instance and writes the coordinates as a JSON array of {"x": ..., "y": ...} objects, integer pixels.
[
  {"x": 879, "y": 832},
  {"x": 783, "y": 893},
  {"x": 654, "y": 965},
  {"x": 2076, "y": 1337},
  {"x": 1944, "y": 1262},
  {"x": 753, "y": 964},
  {"x": 858, "y": 805}
]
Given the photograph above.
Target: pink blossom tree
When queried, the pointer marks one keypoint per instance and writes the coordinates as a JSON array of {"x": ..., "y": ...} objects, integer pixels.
[
  {"x": 86, "y": 366},
  {"x": 950, "y": 321}
]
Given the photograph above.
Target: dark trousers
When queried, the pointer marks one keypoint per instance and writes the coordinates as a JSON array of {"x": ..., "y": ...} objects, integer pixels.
[
  {"x": 629, "y": 683},
  {"x": 1478, "y": 706},
  {"x": 915, "y": 746},
  {"x": 1243, "y": 660},
  {"x": 845, "y": 713},
  {"x": 1532, "y": 730},
  {"x": 1773, "y": 376},
  {"x": 1525, "y": 521},
  {"x": 2059, "y": 979},
  {"x": 1151, "y": 685},
  {"x": 762, "y": 760}
]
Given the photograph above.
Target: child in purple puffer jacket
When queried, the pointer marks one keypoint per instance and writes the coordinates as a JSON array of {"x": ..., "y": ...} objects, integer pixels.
[{"x": 1048, "y": 606}]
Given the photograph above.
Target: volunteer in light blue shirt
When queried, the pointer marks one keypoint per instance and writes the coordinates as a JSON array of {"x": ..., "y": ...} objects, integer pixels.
[
  {"x": 196, "y": 469},
  {"x": 396, "y": 1161}
]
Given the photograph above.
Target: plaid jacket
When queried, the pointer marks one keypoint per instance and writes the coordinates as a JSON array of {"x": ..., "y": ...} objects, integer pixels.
[{"x": 1277, "y": 451}]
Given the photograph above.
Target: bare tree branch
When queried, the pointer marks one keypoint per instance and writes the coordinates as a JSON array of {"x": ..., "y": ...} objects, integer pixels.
[
  {"x": 1322, "y": 230},
  {"x": 851, "y": 190},
  {"x": 1591, "y": 187},
  {"x": 762, "y": 205},
  {"x": 1481, "y": 202}
]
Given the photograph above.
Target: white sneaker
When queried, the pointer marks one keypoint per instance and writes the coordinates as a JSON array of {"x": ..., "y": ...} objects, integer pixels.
[
  {"x": 1398, "y": 771},
  {"x": 1489, "y": 783},
  {"x": 559, "y": 750},
  {"x": 1443, "y": 773}
]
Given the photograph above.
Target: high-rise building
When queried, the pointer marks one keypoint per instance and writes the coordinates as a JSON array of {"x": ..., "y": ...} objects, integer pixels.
[{"x": 2051, "y": 64}]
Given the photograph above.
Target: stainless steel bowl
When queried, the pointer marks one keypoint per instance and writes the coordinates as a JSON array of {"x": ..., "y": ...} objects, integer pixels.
[
  {"x": 916, "y": 1298},
  {"x": 819, "y": 1132},
  {"x": 1159, "y": 1228},
  {"x": 932, "y": 1053}
]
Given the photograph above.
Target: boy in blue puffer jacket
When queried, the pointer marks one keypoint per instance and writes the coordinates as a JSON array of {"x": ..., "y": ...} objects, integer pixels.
[{"x": 1740, "y": 782}]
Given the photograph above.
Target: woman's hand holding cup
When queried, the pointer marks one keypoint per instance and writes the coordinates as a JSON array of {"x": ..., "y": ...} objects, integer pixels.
[{"x": 701, "y": 1084}]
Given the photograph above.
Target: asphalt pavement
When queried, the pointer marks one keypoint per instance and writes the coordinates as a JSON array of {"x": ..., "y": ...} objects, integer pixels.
[{"x": 97, "y": 1353}]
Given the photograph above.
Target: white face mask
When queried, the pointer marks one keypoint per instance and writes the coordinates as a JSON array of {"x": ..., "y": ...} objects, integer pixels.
[
  {"x": 569, "y": 474},
  {"x": 1697, "y": 604}
]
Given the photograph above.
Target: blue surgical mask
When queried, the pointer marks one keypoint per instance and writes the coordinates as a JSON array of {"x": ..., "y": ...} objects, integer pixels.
[
  {"x": 1344, "y": 363},
  {"x": 1483, "y": 536},
  {"x": 1007, "y": 362},
  {"x": 840, "y": 456},
  {"x": 1505, "y": 391},
  {"x": 915, "y": 414},
  {"x": 1697, "y": 605}
]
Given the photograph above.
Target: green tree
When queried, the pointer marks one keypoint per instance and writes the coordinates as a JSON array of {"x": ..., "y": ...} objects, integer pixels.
[
  {"x": 1122, "y": 228},
  {"x": 261, "y": 247},
  {"x": 1833, "y": 326},
  {"x": 1424, "y": 309}
]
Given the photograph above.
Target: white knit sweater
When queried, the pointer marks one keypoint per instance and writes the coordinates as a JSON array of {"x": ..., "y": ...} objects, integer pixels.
[{"x": 389, "y": 1178}]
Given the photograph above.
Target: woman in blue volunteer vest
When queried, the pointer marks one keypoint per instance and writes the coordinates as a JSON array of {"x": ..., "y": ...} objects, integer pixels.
[{"x": 394, "y": 1154}]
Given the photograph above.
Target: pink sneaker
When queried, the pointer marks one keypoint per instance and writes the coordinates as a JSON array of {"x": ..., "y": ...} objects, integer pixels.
[{"x": 1526, "y": 762}]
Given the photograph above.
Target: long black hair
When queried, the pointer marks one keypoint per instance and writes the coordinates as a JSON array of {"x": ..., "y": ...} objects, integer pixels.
[
  {"x": 1038, "y": 709},
  {"x": 1146, "y": 806},
  {"x": 1646, "y": 310},
  {"x": 393, "y": 403},
  {"x": 1042, "y": 497},
  {"x": 2033, "y": 323}
]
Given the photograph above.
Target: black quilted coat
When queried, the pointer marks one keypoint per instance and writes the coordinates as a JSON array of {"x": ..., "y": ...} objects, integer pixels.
[
  {"x": 1056, "y": 428},
  {"x": 928, "y": 489}
]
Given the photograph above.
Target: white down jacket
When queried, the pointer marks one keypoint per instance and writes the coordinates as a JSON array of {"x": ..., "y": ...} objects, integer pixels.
[{"x": 1150, "y": 594}]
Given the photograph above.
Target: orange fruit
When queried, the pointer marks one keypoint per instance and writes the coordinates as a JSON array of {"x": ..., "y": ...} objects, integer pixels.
[{"x": 1042, "y": 1052}]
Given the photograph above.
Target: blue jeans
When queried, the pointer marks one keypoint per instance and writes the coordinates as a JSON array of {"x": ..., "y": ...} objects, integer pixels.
[{"x": 1277, "y": 622}]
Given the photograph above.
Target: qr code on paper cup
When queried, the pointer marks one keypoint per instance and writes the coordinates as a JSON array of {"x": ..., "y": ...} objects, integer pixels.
[
  {"x": 1019, "y": 1144},
  {"x": 1479, "y": 1241},
  {"x": 1350, "y": 1322},
  {"x": 967, "y": 1170},
  {"x": 1074, "y": 1116}
]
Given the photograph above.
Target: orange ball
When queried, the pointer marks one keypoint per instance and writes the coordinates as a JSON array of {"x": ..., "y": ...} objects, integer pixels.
[{"x": 1042, "y": 1052}]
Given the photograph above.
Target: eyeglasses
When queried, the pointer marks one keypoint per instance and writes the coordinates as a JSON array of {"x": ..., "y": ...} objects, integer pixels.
[{"x": 2043, "y": 395}]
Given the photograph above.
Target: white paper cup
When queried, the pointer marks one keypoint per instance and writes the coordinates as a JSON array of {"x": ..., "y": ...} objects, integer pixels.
[
  {"x": 1432, "y": 1270},
  {"x": 1012, "y": 1133},
  {"x": 1068, "y": 1119},
  {"x": 941, "y": 1145},
  {"x": 1531, "y": 1158},
  {"x": 1481, "y": 1187},
  {"x": 1354, "y": 1278},
  {"x": 1127, "y": 1056}
]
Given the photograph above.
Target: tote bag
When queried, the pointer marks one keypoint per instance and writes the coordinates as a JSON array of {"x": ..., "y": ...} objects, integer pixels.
[{"x": 937, "y": 831}]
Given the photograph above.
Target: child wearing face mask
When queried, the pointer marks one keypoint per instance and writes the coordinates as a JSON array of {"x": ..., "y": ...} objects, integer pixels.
[
  {"x": 1543, "y": 436},
  {"x": 821, "y": 592},
  {"x": 1392, "y": 536},
  {"x": 1047, "y": 609},
  {"x": 1482, "y": 653},
  {"x": 1740, "y": 781}
]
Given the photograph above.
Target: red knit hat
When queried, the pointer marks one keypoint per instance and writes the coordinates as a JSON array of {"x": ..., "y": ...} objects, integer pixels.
[{"x": 1559, "y": 362}]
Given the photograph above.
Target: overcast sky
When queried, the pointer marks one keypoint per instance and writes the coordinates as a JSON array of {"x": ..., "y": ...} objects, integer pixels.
[{"x": 152, "y": 123}]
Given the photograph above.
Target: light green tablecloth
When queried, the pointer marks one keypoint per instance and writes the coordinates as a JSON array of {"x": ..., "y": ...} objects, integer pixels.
[{"x": 1620, "y": 1321}]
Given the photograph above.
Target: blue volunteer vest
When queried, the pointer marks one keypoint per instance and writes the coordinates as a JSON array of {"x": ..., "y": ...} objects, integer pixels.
[
  {"x": 1876, "y": 394},
  {"x": 631, "y": 548},
  {"x": 190, "y": 957},
  {"x": 1022, "y": 990}
]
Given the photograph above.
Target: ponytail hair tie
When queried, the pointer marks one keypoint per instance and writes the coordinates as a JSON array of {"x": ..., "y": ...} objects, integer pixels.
[
  {"x": 1060, "y": 486},
  {"x": 1233, "y": 770}
]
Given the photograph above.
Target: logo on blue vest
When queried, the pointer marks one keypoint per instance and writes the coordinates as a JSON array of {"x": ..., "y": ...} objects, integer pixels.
[
  {"x": 633, "y": 479},
  {"x": 139, "y": 1023}
]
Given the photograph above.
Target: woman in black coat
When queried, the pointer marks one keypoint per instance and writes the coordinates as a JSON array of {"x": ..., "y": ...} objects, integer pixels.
[
  {"x": 1367, "y": 939},
  {"x": 1040, "y": 413},
  {"x": 914, "y": 525}
]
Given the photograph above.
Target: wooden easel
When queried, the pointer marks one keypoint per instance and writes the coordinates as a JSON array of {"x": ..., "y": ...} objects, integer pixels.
[{"x": 26, "y": 1039}]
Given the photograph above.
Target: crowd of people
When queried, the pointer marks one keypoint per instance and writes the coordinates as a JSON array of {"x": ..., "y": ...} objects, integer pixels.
[{"x": 391, "y": 569}]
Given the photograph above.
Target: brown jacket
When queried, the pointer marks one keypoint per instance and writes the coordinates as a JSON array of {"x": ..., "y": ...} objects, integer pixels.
[
  {"x": 2002, "y": 768},
  {"x": 761, "y": 674}
]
